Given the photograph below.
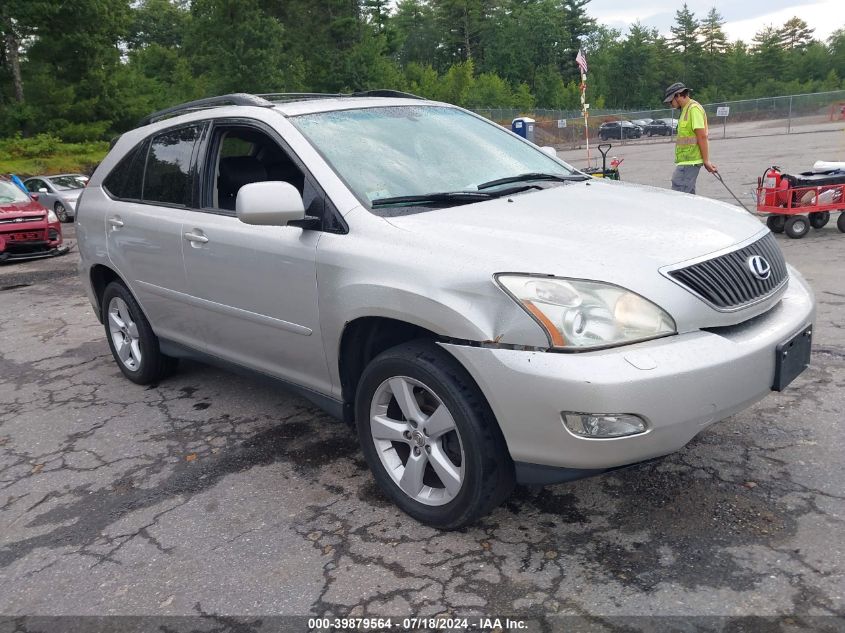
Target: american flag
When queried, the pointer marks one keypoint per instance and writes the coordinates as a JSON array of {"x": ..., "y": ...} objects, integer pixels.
[{"x": 581, "y": 61}]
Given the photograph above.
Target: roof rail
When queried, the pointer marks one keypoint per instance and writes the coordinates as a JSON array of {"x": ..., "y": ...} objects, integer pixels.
[
  {"x": 238, "y": 99},
  {"x": 397, "y": 94},
  {"x": 301, "y": 96},
  {"x": 263, "y": 101}
]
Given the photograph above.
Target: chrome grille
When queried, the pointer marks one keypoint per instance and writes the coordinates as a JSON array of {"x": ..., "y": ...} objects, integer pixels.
[
  {"x": 727, "y": 283},
  {"x": 21, "y": 220}
]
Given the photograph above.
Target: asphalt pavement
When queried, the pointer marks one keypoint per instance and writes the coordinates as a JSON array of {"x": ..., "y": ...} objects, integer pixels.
[{"x": 213, "y": 495}]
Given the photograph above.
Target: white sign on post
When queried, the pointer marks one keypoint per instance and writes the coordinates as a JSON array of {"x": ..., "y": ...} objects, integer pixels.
[
  {"x": 561, "y": 122},
  {"x": 723, "y": 111}
]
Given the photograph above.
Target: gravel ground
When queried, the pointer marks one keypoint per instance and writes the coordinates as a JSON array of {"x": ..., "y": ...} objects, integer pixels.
[{"x": 212, "y": 495}]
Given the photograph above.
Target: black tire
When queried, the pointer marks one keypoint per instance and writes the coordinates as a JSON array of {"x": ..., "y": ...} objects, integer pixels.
[
  {"x": 819, "y": 219},
  {"x": 840, "y": 222},
  {"x": 488, "y": 472},
  {"x": 797, "y": 226},
  {"x": 776, "y": 223},
  {"x": 61, "y": 212},
  {"x": 153, "y": 365}
]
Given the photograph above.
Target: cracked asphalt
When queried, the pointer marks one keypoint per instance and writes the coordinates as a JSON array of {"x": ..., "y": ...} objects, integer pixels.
[{"x": 212, "y": 494}]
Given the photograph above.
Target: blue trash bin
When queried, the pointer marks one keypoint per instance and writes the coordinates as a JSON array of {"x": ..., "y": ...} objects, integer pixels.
[{"x": 524, "y": 126}]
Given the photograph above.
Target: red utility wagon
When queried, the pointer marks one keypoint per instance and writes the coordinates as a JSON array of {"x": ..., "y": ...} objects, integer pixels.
[{"x": 793, "y": 204}]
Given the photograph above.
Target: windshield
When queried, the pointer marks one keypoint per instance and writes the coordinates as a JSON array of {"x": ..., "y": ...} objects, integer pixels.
[
  {"x": 9, "y": 192},
  {"x": 413, "y": 150},
  {"x": 68, "y": 182}
]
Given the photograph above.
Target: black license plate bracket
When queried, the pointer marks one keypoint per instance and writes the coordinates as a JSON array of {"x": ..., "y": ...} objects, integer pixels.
[{"x": 792, "y": 357}]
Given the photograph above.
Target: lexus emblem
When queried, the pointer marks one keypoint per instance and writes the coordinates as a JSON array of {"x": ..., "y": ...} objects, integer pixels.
[{"x": 759, "y": 267}]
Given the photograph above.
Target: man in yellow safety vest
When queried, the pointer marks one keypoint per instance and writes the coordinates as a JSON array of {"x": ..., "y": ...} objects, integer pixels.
[{"x": 691, "y": 147}]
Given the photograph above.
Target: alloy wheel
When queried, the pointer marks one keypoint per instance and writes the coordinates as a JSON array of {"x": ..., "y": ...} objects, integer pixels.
[
  {"x": 124, "y": 334},
  {"x": 417, "y": 440}
]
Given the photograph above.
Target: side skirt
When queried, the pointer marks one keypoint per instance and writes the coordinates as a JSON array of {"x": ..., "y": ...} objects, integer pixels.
[{"x": 328, "y": 404}]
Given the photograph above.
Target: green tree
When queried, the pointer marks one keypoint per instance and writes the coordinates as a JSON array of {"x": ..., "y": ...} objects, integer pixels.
[
  {"x": 767, "y": 54},
  {"x": 836, "y": 44},
  {"x": 795, "y": 34},
  {"x": 685, "y": 43},
  {"x": 489, "y": 90},
  {"x": 239, "y": 48},
  {"x": 422, "y": 80},
  {"x": 457, "y": 83},
  {"x": 417, "y": 35},
  {"x": 714, "y": 44},
  {"x": 462, "y": 23}
]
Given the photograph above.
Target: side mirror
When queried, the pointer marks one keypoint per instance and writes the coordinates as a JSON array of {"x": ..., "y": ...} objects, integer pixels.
[
  {"x": 269, "y": 204},
  {"x": 43, "y": 190},
  {"x": 549, "y": 151}
]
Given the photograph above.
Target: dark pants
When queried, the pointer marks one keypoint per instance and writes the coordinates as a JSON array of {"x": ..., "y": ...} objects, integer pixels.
[{"x": 684, "y": 178}]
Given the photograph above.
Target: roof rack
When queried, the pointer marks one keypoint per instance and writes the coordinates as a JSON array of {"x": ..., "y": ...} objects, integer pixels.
[
  {"x": 301, "y": 96},
  {"x": 237, "y": 99},
  {"x": 264, "y": 101}
]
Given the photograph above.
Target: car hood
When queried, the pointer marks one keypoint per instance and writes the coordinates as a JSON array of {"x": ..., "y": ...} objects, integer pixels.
[
  {"x": 11, "y": 210},
  {"x": 610, "y": 232}
]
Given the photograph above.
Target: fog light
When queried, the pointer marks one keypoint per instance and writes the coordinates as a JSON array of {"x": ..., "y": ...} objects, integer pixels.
[{"x": 599, "y": 425}]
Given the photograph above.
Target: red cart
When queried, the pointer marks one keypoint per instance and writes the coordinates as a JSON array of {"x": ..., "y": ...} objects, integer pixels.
[{"x": 793, "y": 204}]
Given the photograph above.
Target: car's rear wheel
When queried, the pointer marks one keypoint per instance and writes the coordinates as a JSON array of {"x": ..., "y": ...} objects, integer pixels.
[
  {"x": 840, "y": 222},
  {"x": 797, "y": 226},
  {"x": 819, "y": 219},
  {"x": 61, "y": 212},
  {"x": 132, "y": 341},
  {"x": 776, "y": 223},
  {"x": 430, "y": 438}
]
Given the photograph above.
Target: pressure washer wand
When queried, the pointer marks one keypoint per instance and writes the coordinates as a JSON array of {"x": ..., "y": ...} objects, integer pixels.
[{"x": 718, "y": 177}]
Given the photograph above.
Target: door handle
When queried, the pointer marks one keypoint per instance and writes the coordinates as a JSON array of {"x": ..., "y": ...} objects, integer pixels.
[
  {"x": 193, "y": 237},
  {"x": 116, "y": 223}
]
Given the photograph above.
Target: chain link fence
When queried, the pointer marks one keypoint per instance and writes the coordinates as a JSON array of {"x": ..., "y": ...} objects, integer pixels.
[{"x": 790, "y": 114}]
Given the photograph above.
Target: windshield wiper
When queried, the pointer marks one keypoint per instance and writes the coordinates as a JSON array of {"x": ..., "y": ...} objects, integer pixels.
[
  {"x": 443, "y": 196},
  {"x": 532, "y": 176}
]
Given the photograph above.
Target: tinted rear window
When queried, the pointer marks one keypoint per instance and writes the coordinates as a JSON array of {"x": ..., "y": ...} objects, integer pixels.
[
  {"x": 125, "y": 179},
  {"x": 168, "y": 174}
]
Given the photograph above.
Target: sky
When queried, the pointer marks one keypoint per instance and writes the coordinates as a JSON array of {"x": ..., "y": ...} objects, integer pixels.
[{"x": 742, "y": 19}]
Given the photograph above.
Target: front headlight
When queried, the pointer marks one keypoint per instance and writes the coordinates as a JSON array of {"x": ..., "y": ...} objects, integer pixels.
[
  {"x": 51, "y": 216},
  {"x": 578, "y": 314}
]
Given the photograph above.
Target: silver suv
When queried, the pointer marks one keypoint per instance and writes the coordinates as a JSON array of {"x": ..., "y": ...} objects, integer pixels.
[{"x": 479, "y": 311}]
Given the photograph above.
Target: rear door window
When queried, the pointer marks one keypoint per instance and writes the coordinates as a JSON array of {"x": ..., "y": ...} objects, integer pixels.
[{"x": 168, "y": 177}]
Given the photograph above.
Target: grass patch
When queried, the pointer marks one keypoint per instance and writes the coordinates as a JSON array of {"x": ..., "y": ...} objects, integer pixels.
[{"x": 45, "y": 154}]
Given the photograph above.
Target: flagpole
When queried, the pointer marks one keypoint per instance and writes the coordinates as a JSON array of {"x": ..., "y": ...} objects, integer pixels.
[
  {"x": 581, "y": 60},
  {"x": 585, "y": 107}
]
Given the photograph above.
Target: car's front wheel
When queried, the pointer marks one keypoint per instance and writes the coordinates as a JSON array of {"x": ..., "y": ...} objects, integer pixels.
[
  {"x": 61, "y": 212},
  {"x": 131, "y": 339},
  {"x": 430, "y": 438}
]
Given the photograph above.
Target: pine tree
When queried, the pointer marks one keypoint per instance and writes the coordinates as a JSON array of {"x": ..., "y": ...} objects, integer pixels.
[
  {"x": 684, "y": 42},
  {"x": 713, "y": 38},
  {"x": 768, "y": 55},
  {"x": 795, "y": 34},
  {"x": 714, "y": 44}
]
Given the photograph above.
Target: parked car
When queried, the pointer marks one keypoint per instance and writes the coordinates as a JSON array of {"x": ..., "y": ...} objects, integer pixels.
[
  {"x": 479, "y": 311},
  {"x": 619, "y": 129},
  {"x": 59, "y": 193},
  {"x": 27, "y": 230},
  {"x": 661, "y": 127},
  {"x": 641, "y": 123}
]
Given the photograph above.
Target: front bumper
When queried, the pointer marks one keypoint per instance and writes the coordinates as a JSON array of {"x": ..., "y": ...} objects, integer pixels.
[
  {"x": 26, "y": 241},
  {"x": 679, "y": 385}
]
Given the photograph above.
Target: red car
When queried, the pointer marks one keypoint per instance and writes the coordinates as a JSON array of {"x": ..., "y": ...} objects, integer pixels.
[{"x": 27, "y": 230}]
